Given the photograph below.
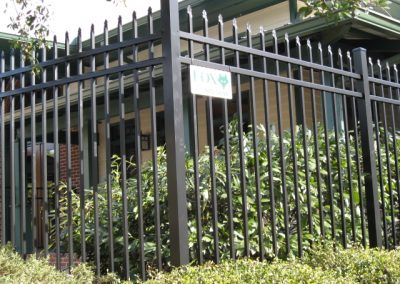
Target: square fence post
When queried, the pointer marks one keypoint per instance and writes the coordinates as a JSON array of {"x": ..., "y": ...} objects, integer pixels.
[
  {"x": 368, "y": 149},
  {"x": 174, "y": 133}
]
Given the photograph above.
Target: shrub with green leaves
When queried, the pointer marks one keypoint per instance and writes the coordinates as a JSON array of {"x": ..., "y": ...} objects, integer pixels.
[
  {"x": 324, "y": 263},
  {"x": 326, "y": 198},
  {"x": 13, "y": 269},
  {"x": 363, "y": 265}
]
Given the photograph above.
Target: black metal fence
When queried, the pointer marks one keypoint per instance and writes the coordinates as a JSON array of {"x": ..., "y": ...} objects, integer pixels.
[{"x": 107, "y": 158}]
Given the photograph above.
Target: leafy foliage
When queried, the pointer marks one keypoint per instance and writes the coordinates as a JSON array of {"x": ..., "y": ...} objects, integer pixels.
[
  {"x": 31, "y": 24},
  {"x": 13, "y": 269},
  {"x": 325, "y": 263},
  {"x": 332, "y": 194},
  {"x": 338, "y": 9}
]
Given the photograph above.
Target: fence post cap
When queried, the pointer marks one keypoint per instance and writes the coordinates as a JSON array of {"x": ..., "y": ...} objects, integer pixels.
[{"x": 359, "y": 49}]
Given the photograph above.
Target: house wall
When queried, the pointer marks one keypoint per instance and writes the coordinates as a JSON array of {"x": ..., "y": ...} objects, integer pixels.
[
  {"x": 260, "y": 111},
  {"x": 145, "y": 119}
]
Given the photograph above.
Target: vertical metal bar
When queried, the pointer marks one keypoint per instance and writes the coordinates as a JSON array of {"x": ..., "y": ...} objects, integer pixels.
[
  {"x": 2, "y": 152},
  {"x": 387, "y": 154},
  {"x": 338, "y": 158},
  {"x": 33, "y": 165},
  {"x": 255, "y": 152},
  {"x": 94, "y": 165},
  {"x": 396, "y": 163},
  {"x": 153, "y": 110},
  {"x": 121, "y": 104},
  {"x": 316, "y": 146},
  {"x": 23, "y": 158},
  {"x": 369, "y": 165},
  {"x": 281, "y": 148},
  {"x": 228, "y": 183},
  {"x": 357, "y": 151},
  {"x": 136, "y": 110},
  {"x": 56, "y": 157},
  {"x": 294, "y": 156},
  {"x": 12, "y": 150},
  {"x": 195, "y": 137},
  {"x": 241, "y": 146},
  {"x": 210, "y": 134},
  {"x": 81, "y": 153},
  {"x": 375, "y": 117},
  {"x": 44, "y": 160},
  {"x": 269, "y": 154},
  {"x": 348, "y": 158},
  {"x": 396, "y": 79},
  {"x": 305, "y": 144},
  {"x": 68, "y": 150},
  {"x": 175, "y": 141},
  {"x": 327, "y": 147},
  {"x": 108, "y": 152}
]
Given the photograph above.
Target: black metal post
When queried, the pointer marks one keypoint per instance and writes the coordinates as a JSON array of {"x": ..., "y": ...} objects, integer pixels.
[
  {"x": 368, "y": 150},
  {"x": 174, "y": 133}
]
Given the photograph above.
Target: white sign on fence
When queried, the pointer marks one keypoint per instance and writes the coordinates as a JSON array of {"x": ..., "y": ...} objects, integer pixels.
[{"x": 210, "y": 82}]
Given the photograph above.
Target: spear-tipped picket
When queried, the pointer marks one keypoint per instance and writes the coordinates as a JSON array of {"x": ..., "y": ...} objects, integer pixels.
[
  {"x": 281, "y": 146},
  {"x": 327, "y": 145},
  {"x": 253, "y": 113},
  {"x": 107, "y": 130},
  {"x": 275, "y": 43},
  {"x": 316, "y": 148},
  {"x": 294, "y": 157},
  {"x": 348, "y": 156},
  {"x": 394, "y": 147},
  {"x": 134, "y": 26},
  {"x": 268, "y": 140},
  {"x": 305, "y": 144},
  {"x": 12, "y": 152},
  {"x": 121, "y": 103},
  {"x": 150, "y": 20},
  {"x": 81, "y": 150},
  {"x": 234, "y": 30},
  {"x": 241, "y": 144},
  {"x": 69, "y": 163},
  {"x": 153, "y": 139},
  {"x": 56, "y": 158},
  {"x": 23, "y": 192}
]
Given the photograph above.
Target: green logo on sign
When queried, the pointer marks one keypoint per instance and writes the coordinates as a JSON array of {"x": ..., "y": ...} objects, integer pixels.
[{"x": 223, "y": 80}]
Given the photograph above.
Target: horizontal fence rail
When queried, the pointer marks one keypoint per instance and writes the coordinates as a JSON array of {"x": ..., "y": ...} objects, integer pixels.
[{"x": 107, "y": 158}]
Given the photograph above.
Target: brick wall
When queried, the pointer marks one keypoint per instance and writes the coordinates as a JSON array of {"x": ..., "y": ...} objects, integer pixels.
[
  {"x": 64, "y": 260},
  {"x": 75, "y": 165}
]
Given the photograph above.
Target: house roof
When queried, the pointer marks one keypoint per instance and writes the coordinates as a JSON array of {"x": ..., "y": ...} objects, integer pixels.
[
  {"x": 368, "y": 28},
  {"x": 378, "y": 33}
]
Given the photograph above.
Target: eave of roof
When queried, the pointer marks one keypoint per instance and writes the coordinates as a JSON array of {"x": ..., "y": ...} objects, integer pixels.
[
  {"x": 7, "y": 38},
  {"x": 371, "y": 22}
]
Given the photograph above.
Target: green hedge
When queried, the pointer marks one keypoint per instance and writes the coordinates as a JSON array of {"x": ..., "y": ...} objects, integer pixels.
[
  {"x": 14, "y": 269},
  {"x": 323, "y": 264}
]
